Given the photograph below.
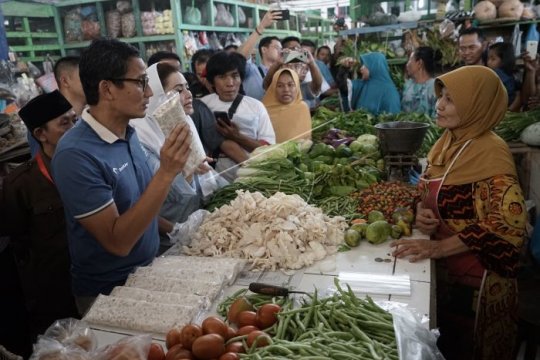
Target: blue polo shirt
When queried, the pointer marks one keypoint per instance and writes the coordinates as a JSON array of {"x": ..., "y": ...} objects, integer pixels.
[{"x": 92, "y": 168}]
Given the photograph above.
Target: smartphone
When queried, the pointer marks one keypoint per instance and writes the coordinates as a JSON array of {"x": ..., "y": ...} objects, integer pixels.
[
  {"x": 285, "y": 15},
  {"x": 223, "y": 116}
]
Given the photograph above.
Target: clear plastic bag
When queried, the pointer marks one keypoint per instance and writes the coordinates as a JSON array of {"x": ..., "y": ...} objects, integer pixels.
[
  {"x": 241, "y": 16},
  {"x": 168, "y": 115},
  {"x": 414, "y": 340},
  {"x": 128, "y": 25},
  {"x": 131, "y": 347},
  {"x": 192, "y": 16},
  {"x": 183, "y": 232},
  {"x": 72, "y": 25},
  {"x": 47, "y": 348},
  {"x": 72, "y": 332},
  {"x": 113, "y": 23},
  {"x": 223, "y": 16}
]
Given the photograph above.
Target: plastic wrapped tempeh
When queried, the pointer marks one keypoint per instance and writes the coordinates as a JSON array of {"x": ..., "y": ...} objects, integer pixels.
[{"x": 169, "y": 114}]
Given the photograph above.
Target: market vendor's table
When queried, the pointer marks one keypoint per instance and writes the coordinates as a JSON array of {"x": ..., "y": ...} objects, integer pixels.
[{"x": 364, "y": 260}]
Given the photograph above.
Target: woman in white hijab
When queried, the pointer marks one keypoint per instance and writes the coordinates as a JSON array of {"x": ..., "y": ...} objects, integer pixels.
[{"x": 185, "y": 195}]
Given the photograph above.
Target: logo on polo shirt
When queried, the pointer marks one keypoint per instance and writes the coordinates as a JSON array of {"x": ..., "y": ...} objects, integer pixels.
[{"x": 120, "y": 169}]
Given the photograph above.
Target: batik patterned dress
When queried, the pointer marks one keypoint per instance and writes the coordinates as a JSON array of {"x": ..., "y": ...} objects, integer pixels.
[{"x": 477, "y": 298}]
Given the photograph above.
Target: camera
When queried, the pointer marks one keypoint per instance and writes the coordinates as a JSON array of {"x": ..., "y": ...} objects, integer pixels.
[{"x": 295, "y": 56}]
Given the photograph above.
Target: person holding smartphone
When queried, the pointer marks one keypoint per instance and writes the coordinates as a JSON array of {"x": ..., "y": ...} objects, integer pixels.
[
  {"x": 249, "y": 124},
  {"x": 269, "y": 51}
]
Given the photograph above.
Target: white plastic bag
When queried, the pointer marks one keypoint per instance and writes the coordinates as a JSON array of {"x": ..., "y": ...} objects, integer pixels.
[{"x": 169, "y": 114}]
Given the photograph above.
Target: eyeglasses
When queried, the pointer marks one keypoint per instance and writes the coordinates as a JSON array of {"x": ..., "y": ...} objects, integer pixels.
[{"x": 143, "y": 82}]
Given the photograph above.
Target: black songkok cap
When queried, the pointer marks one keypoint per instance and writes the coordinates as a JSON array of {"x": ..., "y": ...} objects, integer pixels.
[{"x": 44, "y": 108}]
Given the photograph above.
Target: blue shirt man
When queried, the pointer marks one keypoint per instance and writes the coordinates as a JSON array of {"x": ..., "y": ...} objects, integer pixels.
[
  {"x": 101, "y": 171},
  {"x": 93, "y": 160}
]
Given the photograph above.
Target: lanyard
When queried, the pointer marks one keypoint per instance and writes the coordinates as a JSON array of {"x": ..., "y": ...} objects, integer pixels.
[{"x": 42, "y": 168}]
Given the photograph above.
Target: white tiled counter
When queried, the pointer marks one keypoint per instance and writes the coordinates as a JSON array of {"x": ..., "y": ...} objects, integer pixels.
[{"x": 362, "y": 261}]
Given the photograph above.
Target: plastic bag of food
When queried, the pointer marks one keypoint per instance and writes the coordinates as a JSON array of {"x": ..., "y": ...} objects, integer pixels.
[
  {"x": 113, "y": 22},
  {"x": 47, "y": 348},
  {"x": 192, "y": 15},
  {"x": 148, "y": 22},
  {"x": 73, "y": 332},
  {"x": 223, "y": 16},
  {"x": 90, "y": 29},
  {"x": 169, "y": 114},
  {"x": 128, "y": 348},
  {"x": 128, "y": 25},
  {"x": 72, "y": 25},
  {"x": 241, "y": 16},
  {"x": 123, "y": 6}
]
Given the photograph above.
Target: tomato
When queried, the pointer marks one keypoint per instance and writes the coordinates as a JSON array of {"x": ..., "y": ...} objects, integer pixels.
[
  {"x": 259, "y": 336},
  {"x": 214, "y": 325},
  {"x": 156, "y": 352},
  {"x": 229, "y": 356},
  {"x": 236, "y": 347},
  {"x": 266, "y": 315},
  {"x": 208, "y": 347},
  {"x": 188, "y": 335},
  {"x": 230, "y": 333},
  {"x": 177, "y": 352},
  {"x": 246, "y": 330},
  {"x": 173, "y": 338},
  {"x": 239, "y": 305},
  {"x": 246, "y": 318}
]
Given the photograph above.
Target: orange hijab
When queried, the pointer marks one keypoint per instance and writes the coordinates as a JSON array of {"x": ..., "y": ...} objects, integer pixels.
[
  {"x": 291, "y": 121},
  {"x": 481, "y": 102}
]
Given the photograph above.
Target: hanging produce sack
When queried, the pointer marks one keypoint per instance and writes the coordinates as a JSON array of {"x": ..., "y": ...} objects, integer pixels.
[
  {"x": 113, "y": 23},
  {"x": 148, "y": 22},
  {"x": 192, "y": 15},
  {"x": 223, "y": 16},
  {"x": 90, "y": 29},
  {"x": 128, "y": 25},
  {"x": 241, "y": 16},
  {"x": 123, "y": 6},
  {"x": 72, "y": 26}
]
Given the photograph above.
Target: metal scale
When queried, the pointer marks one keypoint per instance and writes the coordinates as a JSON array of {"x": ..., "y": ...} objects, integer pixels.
[{"x": 399, "y": 142}]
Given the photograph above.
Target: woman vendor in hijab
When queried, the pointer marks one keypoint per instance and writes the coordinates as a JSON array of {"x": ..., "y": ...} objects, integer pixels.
[
  {"x": 375, "y": 91},
  {"x": 185, "y": 196},
  {"x": 473, "y": 208},
  {"x": 289, "y": 114}
]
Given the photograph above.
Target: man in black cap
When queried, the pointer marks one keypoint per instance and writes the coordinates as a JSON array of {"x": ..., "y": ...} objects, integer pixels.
[{"x": 33, "y": 217}]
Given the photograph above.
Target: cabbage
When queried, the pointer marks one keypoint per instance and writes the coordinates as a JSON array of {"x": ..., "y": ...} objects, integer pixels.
[
  {"x": 367, "y": 139},
  {"x": 267, "y": 152}
]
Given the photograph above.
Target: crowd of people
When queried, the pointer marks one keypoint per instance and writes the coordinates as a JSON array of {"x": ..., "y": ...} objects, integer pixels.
[{"x": 105, "y": 193}]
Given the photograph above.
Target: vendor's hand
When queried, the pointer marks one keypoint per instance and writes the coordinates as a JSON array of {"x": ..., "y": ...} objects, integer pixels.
[
  {"x": 175, "y": 150},
  {"x": 426, "y": 221},
  {"x": 228, "y": 131},
  {"x": 417, "y": 249}
]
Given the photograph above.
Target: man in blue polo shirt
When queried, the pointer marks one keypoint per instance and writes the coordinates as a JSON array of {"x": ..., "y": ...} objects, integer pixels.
[{"x": 110, "y": 197}]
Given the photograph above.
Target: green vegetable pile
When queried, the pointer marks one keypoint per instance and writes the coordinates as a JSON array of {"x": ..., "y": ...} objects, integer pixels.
[
  {"x": 510, "y": 128},
  {"x": 361, "y": 122},
  {"x": 338, "y": 327},
  {"x": 322, "y": 175}
]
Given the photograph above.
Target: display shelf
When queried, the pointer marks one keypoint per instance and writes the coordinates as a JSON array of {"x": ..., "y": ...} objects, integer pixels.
[
  {"x": 29, "y": 30},
  {"x": 505, "y": 22},
  {"x": 383, "y": 28}
]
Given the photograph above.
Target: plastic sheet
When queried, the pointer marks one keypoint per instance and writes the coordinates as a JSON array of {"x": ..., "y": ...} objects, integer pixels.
[
  {"x": 182, "y": 232},
  {"x": 366, "y": 283}
]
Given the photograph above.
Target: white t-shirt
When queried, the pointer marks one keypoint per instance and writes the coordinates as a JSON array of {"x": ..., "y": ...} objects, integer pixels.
[{"x": 251, "y": 117}]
